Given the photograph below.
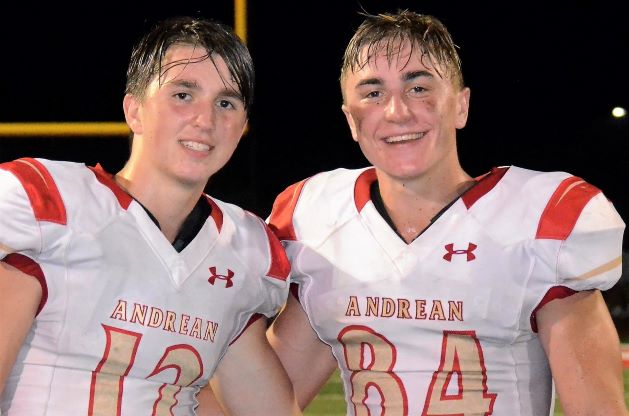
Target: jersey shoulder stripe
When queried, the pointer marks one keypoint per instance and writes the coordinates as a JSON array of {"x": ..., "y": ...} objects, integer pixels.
[
  {"x": 362, "y": 188},
  {"x": 216, "y": 213},
  {"x": 280, "y": 266},
  {"x": 41, "y": 189},
  {"x": 281, "y": 218},
  {"x": 106, "y": 178},
  {"x": 485, "y": 184},
  {"x": 564, "y": 208}
]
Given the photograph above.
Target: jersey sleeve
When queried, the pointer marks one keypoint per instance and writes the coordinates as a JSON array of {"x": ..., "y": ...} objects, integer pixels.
[
  {"x": 265, "y": 258},
  {"x": 581, "y": 232},
  {"x": 19, "y": 229},
  {"x": 578, "y": 245},
  {"x": 281, "y": 218},
  {"x": 281, "y": 223},
  {"x": 270, "y": 268},
  {"x": 591, "y": 256},
  {"x": 277, "y": 275}
]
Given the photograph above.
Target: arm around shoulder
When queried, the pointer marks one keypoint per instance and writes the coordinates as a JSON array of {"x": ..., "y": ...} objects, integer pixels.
[{"x": 297, "y": 346}]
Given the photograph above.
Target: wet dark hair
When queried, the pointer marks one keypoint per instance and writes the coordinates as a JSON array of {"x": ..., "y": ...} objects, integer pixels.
[
  {"x": 214, "y": 37},
  {"x": 389, "y": 33}
]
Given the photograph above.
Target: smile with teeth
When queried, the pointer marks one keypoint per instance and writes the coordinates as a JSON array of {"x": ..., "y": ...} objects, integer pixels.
[
  {"x": 201, "y": 147},
  {"x": 404, "y": 137}
]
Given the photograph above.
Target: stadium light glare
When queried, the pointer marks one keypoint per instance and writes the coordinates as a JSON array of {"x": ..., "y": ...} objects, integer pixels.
[{"x": 619, "y": 112}]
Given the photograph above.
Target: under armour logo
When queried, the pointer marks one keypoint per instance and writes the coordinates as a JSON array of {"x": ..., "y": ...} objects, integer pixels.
[
  {"x": 227, "y": 278},
  {"x": 450, "y": 248}
]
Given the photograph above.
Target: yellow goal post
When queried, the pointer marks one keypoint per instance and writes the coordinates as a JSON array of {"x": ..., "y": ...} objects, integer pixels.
[{"x": 106, "y": 128}]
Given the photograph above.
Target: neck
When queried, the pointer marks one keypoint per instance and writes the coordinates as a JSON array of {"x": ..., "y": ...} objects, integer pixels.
[
  {"x": 413, "y": 203},
  {"x": 168, "y": 201}
]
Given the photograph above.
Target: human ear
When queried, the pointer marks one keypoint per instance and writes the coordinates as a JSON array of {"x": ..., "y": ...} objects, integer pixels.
[
  {"x": 350, "y": 122},
  {"x": 131, "y": 108},
  {"x": 462, "y": 107}
]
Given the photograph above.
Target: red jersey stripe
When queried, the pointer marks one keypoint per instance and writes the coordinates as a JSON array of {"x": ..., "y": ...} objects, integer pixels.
[
  {"x": 41, "y": 189},
  {"x": 281, "y": 219},
  {"x": 362, "y": 188},
  {"x": 485, "y": 184},
  {"x": 564, "y": 208},
  {"x": 107, "y": 179},
  {"x": 216, "y": 214},
  {"x": 280, "y": 266}
]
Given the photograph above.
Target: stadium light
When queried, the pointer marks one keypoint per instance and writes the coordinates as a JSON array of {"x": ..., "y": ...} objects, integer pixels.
[{"x": 619, "y": 112}]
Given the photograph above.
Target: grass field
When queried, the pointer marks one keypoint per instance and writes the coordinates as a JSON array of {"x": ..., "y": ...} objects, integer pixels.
[{"x": 330, "y": 400}]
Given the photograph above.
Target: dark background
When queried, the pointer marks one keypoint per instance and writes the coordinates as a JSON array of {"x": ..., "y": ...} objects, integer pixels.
[{"x": 544, "y": 78}]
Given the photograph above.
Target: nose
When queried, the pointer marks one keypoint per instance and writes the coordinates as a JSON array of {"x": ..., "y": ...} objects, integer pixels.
[
  {"x": 397, "y": 110},
  {"x": 204, "y": 116}
]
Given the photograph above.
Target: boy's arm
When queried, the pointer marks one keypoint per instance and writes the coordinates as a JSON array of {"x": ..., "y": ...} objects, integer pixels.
[
  {"x": 20, "y": 295},
  {"x": 250, "y": 380},
  {"x": 308, "y": 361},
  {"x": 583, "y": 349}
]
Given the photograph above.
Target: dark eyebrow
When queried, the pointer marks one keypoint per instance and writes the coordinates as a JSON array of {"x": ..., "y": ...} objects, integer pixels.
[
  {"x": 231, "y": 93},
  {"x": 410, "y": 76},
  {"x": 193, "y": 85},
  {"x": 369, "y": 81}
]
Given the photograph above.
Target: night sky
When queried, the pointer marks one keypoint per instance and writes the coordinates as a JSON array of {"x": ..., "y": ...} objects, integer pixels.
[{"x": 543, "y": 78}]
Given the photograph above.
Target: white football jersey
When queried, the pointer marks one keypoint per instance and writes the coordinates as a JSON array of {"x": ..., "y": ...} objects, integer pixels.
[
  {"x": 127, "y": 325},
  {"x": 445, "y": 325}
]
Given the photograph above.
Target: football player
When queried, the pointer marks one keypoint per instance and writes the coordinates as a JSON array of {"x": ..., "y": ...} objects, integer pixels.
[
  {"x": 434, "y": 292},
  {"x": 125, "y": 294}
]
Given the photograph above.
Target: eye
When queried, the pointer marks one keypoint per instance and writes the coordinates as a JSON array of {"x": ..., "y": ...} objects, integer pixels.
[
  {"x": 373, "y": 94},
  {"x": 417, "y": 89},
  {"x": 226, "y": 104},
  {"x": 183, "y": 96}
]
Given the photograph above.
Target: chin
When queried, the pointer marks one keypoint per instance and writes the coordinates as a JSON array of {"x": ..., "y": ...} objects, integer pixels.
[
  {"x": 193, "y": 179},
  {"x": 406, "y": 172}
]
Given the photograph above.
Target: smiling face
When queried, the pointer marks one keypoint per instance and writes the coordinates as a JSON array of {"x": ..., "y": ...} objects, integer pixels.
[
  {"x": 190, "y": 119},
  {"x": 404, "y": 114}
]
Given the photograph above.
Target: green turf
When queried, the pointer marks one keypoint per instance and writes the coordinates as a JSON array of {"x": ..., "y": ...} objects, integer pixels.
[{"x": 330, "y": 401}]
